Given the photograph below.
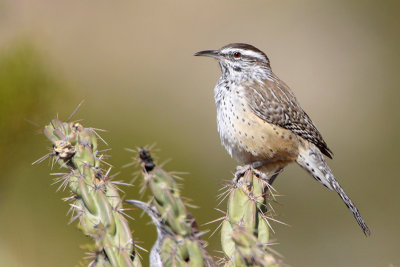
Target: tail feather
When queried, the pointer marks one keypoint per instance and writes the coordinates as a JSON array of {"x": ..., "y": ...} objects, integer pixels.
[{"x": 311, "y": 159}]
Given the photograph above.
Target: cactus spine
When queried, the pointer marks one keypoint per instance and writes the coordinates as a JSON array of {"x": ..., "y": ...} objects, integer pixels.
[
  {"x": 178, "y": 242},
  {"x": 245, "y": 229},
  {"x": 96, "y": 202}
]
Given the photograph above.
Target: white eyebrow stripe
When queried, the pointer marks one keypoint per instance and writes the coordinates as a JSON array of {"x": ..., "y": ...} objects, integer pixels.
[
  {"x": 244, "y": 52},
  {"x": 251, "y": 53}
]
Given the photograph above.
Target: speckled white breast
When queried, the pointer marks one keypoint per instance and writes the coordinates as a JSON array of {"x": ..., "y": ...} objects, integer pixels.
[{"x": 245, "y": 136}]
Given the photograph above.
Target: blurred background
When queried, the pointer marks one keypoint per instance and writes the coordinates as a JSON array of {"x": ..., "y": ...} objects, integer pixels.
[{"x": 132, "y": 64}]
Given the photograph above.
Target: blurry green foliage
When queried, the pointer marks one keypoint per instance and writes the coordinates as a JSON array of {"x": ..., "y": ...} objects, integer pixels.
[{"x": 26, "y": 89}]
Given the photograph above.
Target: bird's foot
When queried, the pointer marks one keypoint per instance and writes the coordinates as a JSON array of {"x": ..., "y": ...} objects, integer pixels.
[
  {"x": 260, "y": 174},
  {"x": 241, "y": 170}
]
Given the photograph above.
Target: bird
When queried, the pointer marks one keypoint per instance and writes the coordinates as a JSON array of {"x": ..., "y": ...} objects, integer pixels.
[{"x": 261, "y": 123}]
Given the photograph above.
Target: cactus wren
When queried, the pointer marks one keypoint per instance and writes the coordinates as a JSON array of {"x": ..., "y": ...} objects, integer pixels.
[{"x": 261, "y": 123}]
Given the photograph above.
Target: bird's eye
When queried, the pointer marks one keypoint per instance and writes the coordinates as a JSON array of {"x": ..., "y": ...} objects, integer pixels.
[{"x": 237, "y": 55}]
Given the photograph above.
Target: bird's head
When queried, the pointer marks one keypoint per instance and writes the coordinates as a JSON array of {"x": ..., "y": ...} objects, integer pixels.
[{"x": 238, "y": 59}]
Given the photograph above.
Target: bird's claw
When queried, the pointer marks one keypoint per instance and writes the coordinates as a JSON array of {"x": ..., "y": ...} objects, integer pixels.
[{"x": 241, "y": 170}]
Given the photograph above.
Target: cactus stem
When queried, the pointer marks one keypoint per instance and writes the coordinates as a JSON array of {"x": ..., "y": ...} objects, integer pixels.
[
  {"x": 246, "y": 224},
  {"x": 95, "y": 199},
  {"x": 178, "y": 242}
]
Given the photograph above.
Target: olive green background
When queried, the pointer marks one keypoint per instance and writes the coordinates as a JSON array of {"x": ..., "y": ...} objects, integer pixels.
[{"x": 132, "y": 63}]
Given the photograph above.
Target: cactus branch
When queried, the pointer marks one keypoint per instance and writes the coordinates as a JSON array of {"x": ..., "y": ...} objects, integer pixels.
[
  {"x": 95, "y": 199},
  {"x": 178, "y": 242},
  {"x": 245, "y": 229}
]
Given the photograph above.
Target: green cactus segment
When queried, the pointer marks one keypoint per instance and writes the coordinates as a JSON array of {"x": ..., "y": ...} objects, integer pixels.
[
  {"x": 249, "y": 251},
  {"x": 96, "y": 202},
  {"x": 168, "y": 202},
  {"x": 245, "y": 230},
  {"x": 181, "y": 246},
  {"x": 185, "y": 252}
]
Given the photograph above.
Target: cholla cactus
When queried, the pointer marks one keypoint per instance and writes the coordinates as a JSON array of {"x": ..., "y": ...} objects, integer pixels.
[
  {"x": 245, "y": 229},
  {"x": 178, "y": 242},
  {"x": 96, "y": 202}
]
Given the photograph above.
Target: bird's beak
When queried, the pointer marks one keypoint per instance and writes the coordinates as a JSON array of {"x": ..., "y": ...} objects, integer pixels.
[{"x": 208, "y": 53}]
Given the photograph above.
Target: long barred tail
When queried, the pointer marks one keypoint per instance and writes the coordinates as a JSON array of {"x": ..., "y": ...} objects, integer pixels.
[{"x": 311, "y": 159}]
